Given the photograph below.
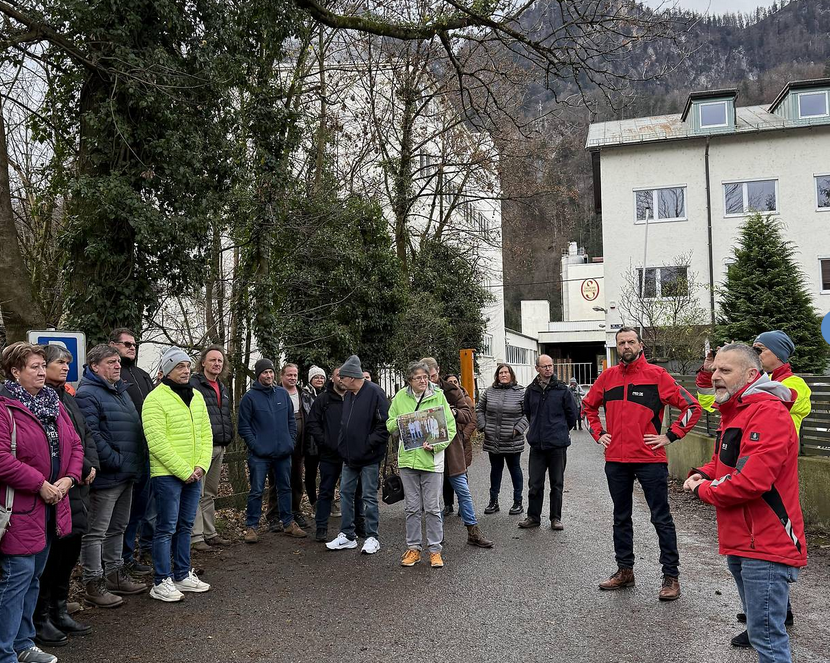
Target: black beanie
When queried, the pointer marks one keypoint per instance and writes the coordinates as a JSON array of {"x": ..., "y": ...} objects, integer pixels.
[{"x": 263, "y": 365}]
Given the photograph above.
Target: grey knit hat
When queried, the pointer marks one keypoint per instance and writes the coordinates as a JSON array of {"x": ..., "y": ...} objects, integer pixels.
[
  {"x": 351, "y": 368},
  {"x": 171, "y": 358}
]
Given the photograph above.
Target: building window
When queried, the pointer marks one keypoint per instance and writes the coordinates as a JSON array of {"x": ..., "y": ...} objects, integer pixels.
[
  {"x": 823, "y": 192},
  {"x": 519, "y": 355},
  {"x": 664, "y": 282},
  {"x": 812, "y": 104},
  {"x": 825, "y": 274},
  {"x": 741, "y": 198},
  {"x": 669, "y": 203},
  {"x": 487, "y": 345},
  {"x": 713, "y": 115}
]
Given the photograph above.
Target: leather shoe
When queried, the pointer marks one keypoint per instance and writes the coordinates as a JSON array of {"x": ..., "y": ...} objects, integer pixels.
[
  {"x": 529, "y": 522},
  {"x": 670, "y": 589},
  {"x": 621, "y": 578},
  {"x": 741, "y": 640},
  {"x": 557, "y": 525}
]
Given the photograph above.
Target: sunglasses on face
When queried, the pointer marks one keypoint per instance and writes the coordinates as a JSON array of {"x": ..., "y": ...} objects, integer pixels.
[{"x": 128, "y": 344}]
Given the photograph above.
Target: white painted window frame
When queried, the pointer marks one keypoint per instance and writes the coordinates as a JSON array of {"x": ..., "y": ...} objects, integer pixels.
[
  {"x": 820, "y": 279},
  {"x": 700, "y": 106},
  {"x": 654, "y": 190},
  {"x": 744, "y": 182},
  {"x": 819, "y": 208},
  {"x": 812, "y": 93},
  {"x": 658, "y": 284}
]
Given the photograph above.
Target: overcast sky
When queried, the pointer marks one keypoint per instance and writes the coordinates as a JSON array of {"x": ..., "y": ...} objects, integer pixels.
[{"x": 715, "y": 6}]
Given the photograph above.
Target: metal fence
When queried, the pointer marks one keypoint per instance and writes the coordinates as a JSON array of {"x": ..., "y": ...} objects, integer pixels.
[{"x": 815, "y": 430}]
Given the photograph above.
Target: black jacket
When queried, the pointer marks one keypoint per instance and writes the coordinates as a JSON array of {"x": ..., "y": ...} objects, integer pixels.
[
  {"x": 551, "y": 412},
  {"x": 79, "y": 495},
  {"x": 363, "y": 434},
  {"x": 323, "y": 425},
  {"x": 139, "y": 383},
  {"x": 221, "y": 420}
]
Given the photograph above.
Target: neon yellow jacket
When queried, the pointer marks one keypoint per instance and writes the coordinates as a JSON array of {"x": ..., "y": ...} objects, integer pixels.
[
  {"x": 421, "y": 459},
  {"x": 783, "y": 374},
  {"x": 179, "y": 437}
]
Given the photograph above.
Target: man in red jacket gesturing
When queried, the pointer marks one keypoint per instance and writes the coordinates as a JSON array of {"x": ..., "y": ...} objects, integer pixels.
[
  {"x": 752, "y": 480},
  {"x": 634, "y": 394}
]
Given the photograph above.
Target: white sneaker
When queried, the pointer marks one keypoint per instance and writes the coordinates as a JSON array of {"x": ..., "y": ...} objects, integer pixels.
[
  {"x": 191, "y": 583},
  {"x": 166, "y": 591},
  {"x": 371, "y": 546},
  {"x": 36, "y": 655},
  {"x": 342, "y": 542}
]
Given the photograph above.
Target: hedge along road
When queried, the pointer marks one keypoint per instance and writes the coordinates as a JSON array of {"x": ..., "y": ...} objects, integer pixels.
[{"x": 534, "y": 597}]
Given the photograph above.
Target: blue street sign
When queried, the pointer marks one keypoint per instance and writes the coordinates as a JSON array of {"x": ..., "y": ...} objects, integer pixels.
[{"x": 75, "y": 342}]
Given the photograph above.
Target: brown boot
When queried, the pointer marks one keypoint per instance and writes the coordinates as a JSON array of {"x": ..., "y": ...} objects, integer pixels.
[
  {"x": 118, "y": 582},
  {"x": 98, "y": 594},
  {"x": 251, "y": 536},
  {"x": 670, "y": 589},
  {"x": 201, "y": 546},
  {"x": 475, "y": 538},
  {"x": 622, "y": 578},
  {"x": 295, "y": 531}
]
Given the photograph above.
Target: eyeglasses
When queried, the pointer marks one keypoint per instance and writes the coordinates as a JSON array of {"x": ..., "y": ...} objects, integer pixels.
[
  {"x": 420, "y": 377},
  {"x": 127, "y": 344}
]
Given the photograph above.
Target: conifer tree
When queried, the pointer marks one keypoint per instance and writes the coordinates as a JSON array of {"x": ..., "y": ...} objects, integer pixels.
[{"x": 765, "y": 289}]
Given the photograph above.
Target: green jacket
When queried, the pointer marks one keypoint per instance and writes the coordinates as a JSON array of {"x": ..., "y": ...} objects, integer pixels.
[
  {"x": 420, "y": 459},
  {"x": 180, "y": 438}
]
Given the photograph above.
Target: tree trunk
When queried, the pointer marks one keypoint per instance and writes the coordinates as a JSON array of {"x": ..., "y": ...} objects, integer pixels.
[{"x": 20, "y": 310}]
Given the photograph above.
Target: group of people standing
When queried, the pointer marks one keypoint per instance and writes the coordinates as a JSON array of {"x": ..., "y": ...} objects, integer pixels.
[{"x": 139, "y": 460}]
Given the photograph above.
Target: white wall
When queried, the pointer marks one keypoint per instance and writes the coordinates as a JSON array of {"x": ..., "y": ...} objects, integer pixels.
[
  {"x": 792, "y": 157},
  {"x": 575, "y": 306}
]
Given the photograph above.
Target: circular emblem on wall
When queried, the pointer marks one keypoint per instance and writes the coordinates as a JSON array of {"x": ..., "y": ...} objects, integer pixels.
[{"x": 590, "y": 289}]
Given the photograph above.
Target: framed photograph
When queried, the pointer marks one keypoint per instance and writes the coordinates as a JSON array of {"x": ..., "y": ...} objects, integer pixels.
[{"x": 428, "y": 426}]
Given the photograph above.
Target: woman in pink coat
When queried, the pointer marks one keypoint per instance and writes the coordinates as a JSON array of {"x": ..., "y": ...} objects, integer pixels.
[{"x": 47, "y": 462}]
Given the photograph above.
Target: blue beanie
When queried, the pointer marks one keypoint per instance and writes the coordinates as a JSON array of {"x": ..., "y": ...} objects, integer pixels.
[{"x": 778, "y": 343}]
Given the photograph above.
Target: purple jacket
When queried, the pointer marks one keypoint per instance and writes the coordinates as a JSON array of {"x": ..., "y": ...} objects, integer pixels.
[{"x": 26, "y": 473}]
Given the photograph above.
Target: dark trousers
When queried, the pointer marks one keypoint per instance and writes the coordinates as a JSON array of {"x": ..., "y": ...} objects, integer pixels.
[
  {"x": 142, "y": 518},
  {"x": 449, "y": 493},
  {"x": 329, "y": 474},
  {"x": 63, "y": 556},
  {"x": 654, "y": 478},
  {"x": 540, "y": 463},
  {"x": 273, "y": 514},
  {"x": 514, "y": 466},
  {"x": 312, "y": 463}
]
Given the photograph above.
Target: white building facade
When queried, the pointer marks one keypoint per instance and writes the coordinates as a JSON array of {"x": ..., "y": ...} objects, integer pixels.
[{"x": 675, "y": 189}]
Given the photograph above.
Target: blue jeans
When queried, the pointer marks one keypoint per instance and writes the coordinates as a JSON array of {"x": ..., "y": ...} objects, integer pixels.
[
  {"x": 465, "y": 500},
  {"x": 329, "y": 474},
  {"x": 176, "y": 504},
  {"x": 368, "y": 476},
  {"x": 142, "y": 518},
  {"x": 19, "y": 588},
  {"x": 258, "y": 469},
  {"x": 514, "y": 466},
  {"x": 654, "y": 479},
  {"x": 764, "y": 588}
]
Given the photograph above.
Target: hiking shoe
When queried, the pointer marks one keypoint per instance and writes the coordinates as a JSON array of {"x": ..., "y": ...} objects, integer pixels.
[
  {"x": 119, "y": 582},
  {"x": 515, "y": 510},
  {"x": 218, "y": 541},
  {"x": 622, "y": 578},
  {"x": 341, "y": 542},
  {"x": 370, "y": 546},
  {"x": 191, "y": 584},
  {"x": 670, "y": 589},
  {"x": 166, "y": 591},
  {"x": 556, "y": 525},
  {"x": 529, "y": 522},
  {"x": 321, "y": 535},
  {"x": 476, "y": 538},
  {"x": 492, "y": 507},
  {"x": 448, "y": 509},
  {"x": 98, "y": 595},
  {"x": 275, "y": 527},
  {"x": 201, "y": 546},
  {"x": 251, "y": 536},
  {"x": 36, "y": 655},
  {"x": 136, "y": 568},
  {"x": 435, "y": 560},
  {"x": 411, "y": 557},
  {"x": 741, "y": 640},
  {"x": 300, "y": 519},
  {"x": 295, "y": 531}
]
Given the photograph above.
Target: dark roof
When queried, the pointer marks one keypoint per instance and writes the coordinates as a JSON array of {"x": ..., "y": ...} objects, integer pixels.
[
  {"x": 798, "y": 85},
  {"x": 706, "y": 94}
]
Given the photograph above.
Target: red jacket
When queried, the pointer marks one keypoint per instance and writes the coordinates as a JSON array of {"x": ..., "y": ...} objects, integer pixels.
[
  {"x": 634, "y": 396},
  {"x": 27, "y": 472},
  {"x": 752, "y": 478}
]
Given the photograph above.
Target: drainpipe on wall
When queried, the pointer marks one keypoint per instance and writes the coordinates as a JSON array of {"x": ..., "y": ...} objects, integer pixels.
[{"x": 709, "y": 233}]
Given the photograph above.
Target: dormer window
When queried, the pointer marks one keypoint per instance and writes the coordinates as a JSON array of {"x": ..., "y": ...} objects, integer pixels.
[
  {"x": 713, "y": 115},
  {"x": 812, "y": 104}
]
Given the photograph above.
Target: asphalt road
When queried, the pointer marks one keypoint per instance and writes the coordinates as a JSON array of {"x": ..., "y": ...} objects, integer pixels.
[{"x": 533, "y": 597}]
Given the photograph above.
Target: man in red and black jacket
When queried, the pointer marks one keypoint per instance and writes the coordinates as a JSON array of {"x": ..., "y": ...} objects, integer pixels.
[
  {"x": 752, "y": 480},
  {"x": 634, "y": 394}
]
